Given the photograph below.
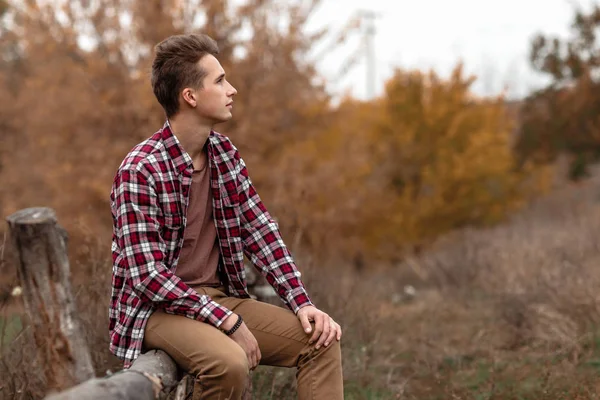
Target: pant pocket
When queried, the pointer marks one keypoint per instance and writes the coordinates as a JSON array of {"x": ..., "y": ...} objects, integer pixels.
[
  {"x": 200, "y": 290},
  {"x": 214, "y": 293}
]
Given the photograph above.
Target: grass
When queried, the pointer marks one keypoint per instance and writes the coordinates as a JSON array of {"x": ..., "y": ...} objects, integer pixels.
[
  {"x": 10, "y": 326},
  {"x": 354, "y": 391}
]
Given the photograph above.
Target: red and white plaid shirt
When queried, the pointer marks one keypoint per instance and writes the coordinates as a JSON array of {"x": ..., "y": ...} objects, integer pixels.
[{"x": 149, "y": 201}]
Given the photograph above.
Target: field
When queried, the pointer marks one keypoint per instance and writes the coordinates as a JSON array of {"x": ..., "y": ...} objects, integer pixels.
[{"x": 510, "y": 312}]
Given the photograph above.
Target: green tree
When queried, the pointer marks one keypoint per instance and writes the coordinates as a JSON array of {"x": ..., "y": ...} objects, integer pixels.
[{"x": 563, "y": 118}]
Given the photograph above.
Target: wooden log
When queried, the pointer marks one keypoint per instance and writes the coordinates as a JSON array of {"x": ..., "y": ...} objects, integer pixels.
[
  {"x": 43, "y": 270},
  {"x": 151, "y": 376},
  {"x": 182, "y": 388}
]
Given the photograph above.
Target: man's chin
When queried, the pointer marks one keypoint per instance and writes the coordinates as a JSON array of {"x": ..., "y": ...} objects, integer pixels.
[{"x": 220, "y": 120}]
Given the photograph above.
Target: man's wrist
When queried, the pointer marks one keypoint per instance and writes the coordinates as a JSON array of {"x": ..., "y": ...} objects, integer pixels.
[
  {"x": 297, "y": 298},
  {"x": 229, "y": 322},
  {"x": 235, "y": 327},
  {"x": 304, "y": 307}
]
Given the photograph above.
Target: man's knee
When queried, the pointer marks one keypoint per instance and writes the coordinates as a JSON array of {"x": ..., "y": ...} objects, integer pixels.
[
  {"x": 235, "y": 366},
  {"x": 311, "y": 357},
  {"x": 333, "y": 350},
  {"x": 335, "y": 344},
  {"x": 230, "y": 365}
]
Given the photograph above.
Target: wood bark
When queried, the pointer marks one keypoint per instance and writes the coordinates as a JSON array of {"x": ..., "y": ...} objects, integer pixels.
[{"x": 43, "y": 270}]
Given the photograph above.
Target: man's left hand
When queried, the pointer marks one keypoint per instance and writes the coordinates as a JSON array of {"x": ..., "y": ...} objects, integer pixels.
[{"x": 326, "y": 329}]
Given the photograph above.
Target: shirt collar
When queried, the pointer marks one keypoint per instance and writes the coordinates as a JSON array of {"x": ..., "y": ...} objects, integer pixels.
[{"x": 180, "y": 157}]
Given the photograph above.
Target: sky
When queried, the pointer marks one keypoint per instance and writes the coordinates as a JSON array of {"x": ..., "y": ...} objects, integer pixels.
[{"x": 492, "y": 38}]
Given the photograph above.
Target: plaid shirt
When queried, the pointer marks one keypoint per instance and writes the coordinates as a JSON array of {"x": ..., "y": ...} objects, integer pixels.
[{"x": 149, "y": 201}]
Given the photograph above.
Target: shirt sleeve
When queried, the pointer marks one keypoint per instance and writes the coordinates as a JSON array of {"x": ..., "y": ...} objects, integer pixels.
[
  {"x": 264, "y": 246},
  {"x": 143, "y": 252}
]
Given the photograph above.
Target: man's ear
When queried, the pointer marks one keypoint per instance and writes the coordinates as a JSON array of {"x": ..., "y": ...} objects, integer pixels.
[{"x": 190, "y": 97}]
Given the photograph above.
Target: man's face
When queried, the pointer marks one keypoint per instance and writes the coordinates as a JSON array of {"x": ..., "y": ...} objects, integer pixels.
[{"x": 215, "y": 99}]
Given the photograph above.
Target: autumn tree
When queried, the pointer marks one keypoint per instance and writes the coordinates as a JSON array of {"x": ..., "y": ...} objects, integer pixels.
[
  {"x": 331, "y": 188},
  {"x": 396, "y": 172},
  {"x": 362, "y": 179},
  {"x": 9, "y": 70},
  {"x": 447, "y": 156},
  {"x": 82, "y": 96}
]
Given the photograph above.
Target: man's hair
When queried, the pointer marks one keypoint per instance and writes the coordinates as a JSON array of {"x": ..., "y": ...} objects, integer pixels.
[{"x": 175, "y": 67}]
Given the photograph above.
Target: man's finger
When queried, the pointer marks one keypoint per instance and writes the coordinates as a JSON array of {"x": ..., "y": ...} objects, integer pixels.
[
  {"x": 319, "y": 322},
  {"x": 258, "y": 355},
  {"x": 325, "y": 335},
  {"x": 332, "y": 333},
  {"x": 339, "y": 332},
  {"x": 305, "y": 323}
]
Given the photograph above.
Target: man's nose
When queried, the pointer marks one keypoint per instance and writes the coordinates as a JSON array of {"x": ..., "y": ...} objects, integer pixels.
[{"x": 232, "y": 91}]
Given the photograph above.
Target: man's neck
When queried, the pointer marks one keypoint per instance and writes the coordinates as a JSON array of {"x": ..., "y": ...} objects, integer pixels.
[{"x": 191, "y": 134}]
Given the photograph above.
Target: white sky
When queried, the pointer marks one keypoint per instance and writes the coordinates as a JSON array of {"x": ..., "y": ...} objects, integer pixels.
[{"x": 491, "y": 37}]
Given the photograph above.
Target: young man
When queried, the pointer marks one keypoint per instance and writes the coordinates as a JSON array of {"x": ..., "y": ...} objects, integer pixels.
[{"x": 184, "y": 214}]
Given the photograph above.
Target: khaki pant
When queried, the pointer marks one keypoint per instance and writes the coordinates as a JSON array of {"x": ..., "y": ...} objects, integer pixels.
[{"x": 221, "y": 366}]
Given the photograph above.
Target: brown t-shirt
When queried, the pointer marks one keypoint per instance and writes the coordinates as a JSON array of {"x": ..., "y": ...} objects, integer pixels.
[{"x": 199, "y": 258}]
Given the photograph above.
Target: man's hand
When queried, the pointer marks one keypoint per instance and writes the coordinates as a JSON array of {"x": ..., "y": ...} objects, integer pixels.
[
  {"x": 245, "y": 339},
  {"x": 326, "y": 329}
]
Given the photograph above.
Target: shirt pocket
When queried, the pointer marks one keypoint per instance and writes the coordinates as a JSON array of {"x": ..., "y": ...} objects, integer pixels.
[
  {"x": 172, "y": 227},
  {"x": 227, "y": 211},
  {"x": 229, "y": 196}
]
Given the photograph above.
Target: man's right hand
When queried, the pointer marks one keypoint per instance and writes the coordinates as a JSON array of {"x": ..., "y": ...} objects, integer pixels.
[{"x": 245, "y": 339}]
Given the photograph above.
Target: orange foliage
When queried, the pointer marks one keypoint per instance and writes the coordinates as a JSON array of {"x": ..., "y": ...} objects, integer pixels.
[
  {"x": 359, "y": 180},
  {"x": 75, "y": 113},
  {"x": 386, "y": 175}
]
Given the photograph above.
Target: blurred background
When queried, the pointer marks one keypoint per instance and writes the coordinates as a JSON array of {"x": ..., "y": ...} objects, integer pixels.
[{"x": 432, "y": 165}]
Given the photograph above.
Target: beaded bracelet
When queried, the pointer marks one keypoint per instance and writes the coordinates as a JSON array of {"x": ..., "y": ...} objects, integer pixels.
[{"x": 235, "y": 327}]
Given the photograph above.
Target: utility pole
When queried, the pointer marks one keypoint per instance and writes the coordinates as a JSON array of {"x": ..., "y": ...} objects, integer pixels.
[
  {"x": 363, "y": 22},
  {"x": 369, "y": 45}
]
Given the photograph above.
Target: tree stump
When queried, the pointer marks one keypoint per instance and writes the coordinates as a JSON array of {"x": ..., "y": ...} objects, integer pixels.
[{"x": 43, "y": 270}]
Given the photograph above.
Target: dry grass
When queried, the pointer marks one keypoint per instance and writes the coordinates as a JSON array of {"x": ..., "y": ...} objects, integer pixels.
[{"x": 510, "y": 312}]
